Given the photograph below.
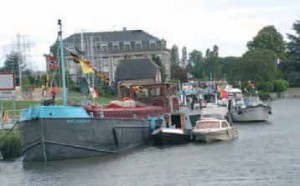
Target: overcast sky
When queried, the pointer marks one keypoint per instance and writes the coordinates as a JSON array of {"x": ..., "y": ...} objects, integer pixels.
[{"x": 196, "y": 24}]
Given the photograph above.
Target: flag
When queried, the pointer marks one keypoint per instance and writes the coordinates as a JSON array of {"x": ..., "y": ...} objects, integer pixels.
[
  {"x": 5, "y": 116},
  {"x": 86, "y": 66},
  {"x": 224, "y": 94},
  {"x": 51, "y": 62}
]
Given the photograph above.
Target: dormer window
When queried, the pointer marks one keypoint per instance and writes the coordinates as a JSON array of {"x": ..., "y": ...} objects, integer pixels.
[
  {"x": 126, "y": 46},
  {"x": 152, "y": 44},
  {"x": 138, "y": 45},
  {"x": 104, "y": 47},
  {"x": 116, "y": 46}
]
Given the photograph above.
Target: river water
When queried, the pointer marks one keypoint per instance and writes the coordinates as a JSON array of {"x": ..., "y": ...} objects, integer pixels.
[{"x": 265, "y": 153}]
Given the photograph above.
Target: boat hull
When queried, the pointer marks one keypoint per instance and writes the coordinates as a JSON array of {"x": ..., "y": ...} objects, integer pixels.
[
  {"x": 249, "y": 114},
  {"x": 223, "y": 135},
  {"x": 58, "y": 139},
  {"x": 170, "y": 138}
]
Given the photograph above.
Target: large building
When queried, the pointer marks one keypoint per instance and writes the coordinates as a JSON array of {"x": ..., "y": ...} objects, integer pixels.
[{"x": 106, "y": 49}]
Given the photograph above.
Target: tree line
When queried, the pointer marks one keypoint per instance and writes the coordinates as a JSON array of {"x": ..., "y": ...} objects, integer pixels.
[{"x": 268, "y": 59}]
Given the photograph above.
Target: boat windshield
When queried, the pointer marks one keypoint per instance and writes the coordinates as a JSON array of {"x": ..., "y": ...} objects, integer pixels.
[
  {"x": 216, "y": 116},
  {"x": 208, "y": 124}
]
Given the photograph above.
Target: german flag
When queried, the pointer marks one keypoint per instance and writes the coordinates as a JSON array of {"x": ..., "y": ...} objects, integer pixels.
[{"x": 86, "y": 66}]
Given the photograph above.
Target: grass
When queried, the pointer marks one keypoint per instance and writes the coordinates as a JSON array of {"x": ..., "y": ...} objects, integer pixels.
[{"x": 74, "y": 98}]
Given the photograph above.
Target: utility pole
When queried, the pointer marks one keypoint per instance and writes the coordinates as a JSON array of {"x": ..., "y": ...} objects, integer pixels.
[
  {"x": 92, "y": 60},
  {"x": 19, "y": 60},
  {"x": 65, "y": 99}
]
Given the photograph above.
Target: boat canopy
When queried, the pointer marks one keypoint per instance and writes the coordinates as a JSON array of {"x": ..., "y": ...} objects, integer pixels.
[{"x": 40, "y": 112}]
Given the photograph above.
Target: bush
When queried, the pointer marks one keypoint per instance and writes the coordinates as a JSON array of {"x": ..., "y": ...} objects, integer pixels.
[
  {"x": 10, "y": 146},
  {"x": 265, "y": 86},
  {"x": 264, "y": 95},
  {"x": 280, "y": 85}
]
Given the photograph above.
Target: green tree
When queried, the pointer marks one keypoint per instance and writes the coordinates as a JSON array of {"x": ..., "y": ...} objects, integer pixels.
[
  {"x": 293, "y": 47},
  {"x": 258, "y": 65},
  {"x": 55, "y": 50},
  {"x": 180, "y": 73},
  {"x": 195, "y": 64},
  {"x": 11, "y": 64},
  {"x": 269, "y": 38},
  {"x": 211, "y": 66},
  {"x": 174, "y": 61},
  {"x": 230, "y": 67},
  {"x": 157, "y": 60},
  {"x": 184, "y": 56},
  {"x": 174, "y": 55},
  {"x": 291, "y": 66}
]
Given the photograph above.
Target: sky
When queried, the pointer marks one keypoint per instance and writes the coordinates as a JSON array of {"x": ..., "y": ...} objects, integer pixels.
[{"x": 196, "y": 24}]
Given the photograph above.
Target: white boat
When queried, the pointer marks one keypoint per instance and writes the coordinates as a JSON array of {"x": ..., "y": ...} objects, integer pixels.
[
  {"x": 248, "y": 109},
  {"x": 213, "y": 129}
]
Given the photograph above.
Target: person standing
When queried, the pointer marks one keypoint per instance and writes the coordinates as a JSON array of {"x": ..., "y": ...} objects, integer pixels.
[
  {"x": 44, "y": 92},
  {"x": 53, "y": 93}
]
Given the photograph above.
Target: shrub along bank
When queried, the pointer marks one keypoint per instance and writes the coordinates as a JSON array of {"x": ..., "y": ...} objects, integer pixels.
[{"x": 10, "y": 145}]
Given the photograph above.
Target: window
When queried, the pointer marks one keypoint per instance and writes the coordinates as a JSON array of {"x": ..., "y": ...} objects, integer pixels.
[
  {"x": 127, "y": 46},
  {"x": 224, "y": 124},
  {"x": 138, "y": 45},
  {"x": 152, "y": 44},
  {"x": 105, "y": 62},
  {"x": 154, "y": 91},
  {"x": 116, "y": 46},
  {"x": 207, "y": 124},
  {"x": 104, "y": 48},
  {"x": 142, "y": 94}
]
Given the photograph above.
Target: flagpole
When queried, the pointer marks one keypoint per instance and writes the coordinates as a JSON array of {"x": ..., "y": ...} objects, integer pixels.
[{"x": 63, "y": 75}]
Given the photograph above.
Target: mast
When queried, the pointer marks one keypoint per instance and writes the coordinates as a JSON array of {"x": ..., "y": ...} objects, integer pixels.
[{"x": 63, "y": 74}]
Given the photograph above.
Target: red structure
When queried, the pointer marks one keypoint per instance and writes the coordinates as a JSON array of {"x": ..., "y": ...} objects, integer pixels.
[{"x": 139, "y": 101}]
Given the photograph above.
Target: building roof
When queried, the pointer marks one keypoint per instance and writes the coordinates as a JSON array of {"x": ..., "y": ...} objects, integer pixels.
[
  {"x": 130, "y": 69},
  {"x": 116, "y": 36}
]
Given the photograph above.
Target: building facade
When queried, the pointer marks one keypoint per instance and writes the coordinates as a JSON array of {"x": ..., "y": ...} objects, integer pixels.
[{"x": 106, "y": 49}]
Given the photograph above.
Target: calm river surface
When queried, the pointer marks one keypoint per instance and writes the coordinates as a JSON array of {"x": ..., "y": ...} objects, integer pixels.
[{"x": 264, "y": 154}]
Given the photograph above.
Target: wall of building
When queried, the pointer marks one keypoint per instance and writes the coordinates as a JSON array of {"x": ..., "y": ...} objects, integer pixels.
[{"x": 106, "y": 56}]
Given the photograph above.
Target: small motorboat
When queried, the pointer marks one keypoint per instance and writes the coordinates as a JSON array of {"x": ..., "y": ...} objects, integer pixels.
[
  {"x": 213, "y": 129},
  {"x": 177, "y": 127}
]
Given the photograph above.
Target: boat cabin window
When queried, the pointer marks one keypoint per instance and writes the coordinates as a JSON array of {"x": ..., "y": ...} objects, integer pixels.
[
  {"x": 159, "y": 122},
  {"x": 208, "y": 124},
  {"x": 125, "y": 93},
  {"x": 142, "y": 94},
  {"x": 154, "y": 91},
  {"x": 224, "y": 124},
  {"x": 209, "y": 98}
]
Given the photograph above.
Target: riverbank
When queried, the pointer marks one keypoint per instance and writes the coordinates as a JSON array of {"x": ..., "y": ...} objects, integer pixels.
[{"x": 289, "y": 93}]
